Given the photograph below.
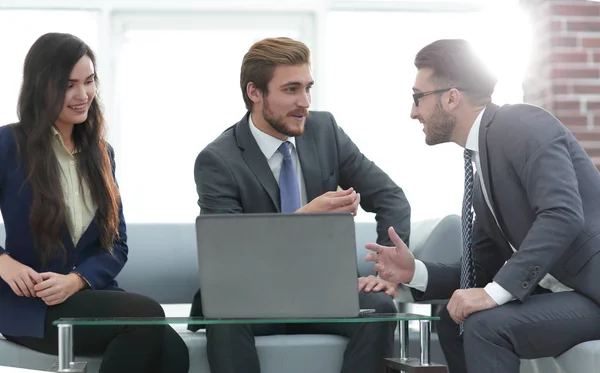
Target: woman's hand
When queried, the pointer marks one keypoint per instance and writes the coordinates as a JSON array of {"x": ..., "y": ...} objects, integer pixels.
[
  {"x": 56, "y": 288},
  {"x": 21, "y": 278}
]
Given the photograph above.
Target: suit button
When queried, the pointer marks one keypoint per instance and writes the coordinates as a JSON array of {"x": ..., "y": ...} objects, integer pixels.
[
  {"x": 524, "y": 284},
  {"x": 536, "y": 268}
]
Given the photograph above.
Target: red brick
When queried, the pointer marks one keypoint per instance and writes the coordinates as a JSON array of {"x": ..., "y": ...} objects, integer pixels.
[
  {"x": 583, "y": 26},
  {"x": 590, "y": 42},
  {"x": 582, "y": 9},
  {"x": 587, "y": 89},
  {"x": 567, "y": 105},
  {"x": 593, "y": 152},
  {"x": 583, "y": 73},
  {"x": 565, "y": 41},
  {"x": 587, "y": 135},
  {"x": 556, "y": 26},
  {"x": 596, "y": 56},
  {"x": 560, "y": 89},
  {"x": 575, "y": 120},
  {"x": 566, "y": 57},
  {"x": 593, "y": 106}
]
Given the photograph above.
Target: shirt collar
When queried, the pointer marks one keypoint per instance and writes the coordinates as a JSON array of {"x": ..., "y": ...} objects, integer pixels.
[
  {"x": 267, "y": 143},
  {"x": 473, "y": 137},
  {"x": 59, "y": 140}
]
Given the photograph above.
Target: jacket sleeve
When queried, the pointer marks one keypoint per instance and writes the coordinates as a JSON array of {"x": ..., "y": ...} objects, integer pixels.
[
  {"x": 541, "y": 159},
  {"x": 216, "y": 187}
]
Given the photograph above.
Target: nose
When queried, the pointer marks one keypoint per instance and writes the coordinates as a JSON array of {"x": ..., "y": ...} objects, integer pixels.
[
  {"x": 304, "y": 100},
  {"x": 414, "y": 112},
  {"x": 81, "y": 94}
]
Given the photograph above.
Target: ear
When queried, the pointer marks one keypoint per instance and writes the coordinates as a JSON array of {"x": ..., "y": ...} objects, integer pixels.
[
  {"x": 254, "y": 93},
  {"x": 454, "y": 98}
]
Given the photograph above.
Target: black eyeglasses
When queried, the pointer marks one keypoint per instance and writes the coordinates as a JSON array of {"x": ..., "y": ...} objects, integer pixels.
[{"x": 418, "y": 96}]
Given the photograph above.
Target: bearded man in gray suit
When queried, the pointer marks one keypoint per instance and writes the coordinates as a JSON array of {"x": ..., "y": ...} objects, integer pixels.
[
  {"x": 527, "y": 283},
  {"x": 281, "y": 158}
]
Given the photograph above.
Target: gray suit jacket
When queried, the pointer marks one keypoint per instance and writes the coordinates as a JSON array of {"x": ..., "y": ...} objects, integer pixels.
[
  {"x": 545, "y": 192},
  {"x": 232, "y": 176}
]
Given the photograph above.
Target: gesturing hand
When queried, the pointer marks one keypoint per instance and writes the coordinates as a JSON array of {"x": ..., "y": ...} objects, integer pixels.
[
  {"x": 339, "y": 201},
  {"x": 394, "y": 264}
]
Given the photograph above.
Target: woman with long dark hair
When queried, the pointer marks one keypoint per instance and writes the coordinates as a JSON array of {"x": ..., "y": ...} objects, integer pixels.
[{"x": 66, "y": 237}]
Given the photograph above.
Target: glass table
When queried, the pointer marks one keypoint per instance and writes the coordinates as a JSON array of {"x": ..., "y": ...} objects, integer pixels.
[{"x": 403, "y": 363}]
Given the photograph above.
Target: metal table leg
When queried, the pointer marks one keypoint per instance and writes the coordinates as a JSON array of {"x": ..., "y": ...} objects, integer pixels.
[
  {"x": 403, "y": 331},
  {"x": 405, "y": 364},
  {"x": 66, "y": 363}
]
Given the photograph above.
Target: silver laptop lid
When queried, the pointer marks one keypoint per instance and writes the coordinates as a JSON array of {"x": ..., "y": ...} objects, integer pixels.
[{"x": 277, "y": 265}]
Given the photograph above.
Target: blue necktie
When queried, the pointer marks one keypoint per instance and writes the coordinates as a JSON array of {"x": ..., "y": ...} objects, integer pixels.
[
  {"x": 289, "y": 191},
  {"x": 467, "y": 273}
]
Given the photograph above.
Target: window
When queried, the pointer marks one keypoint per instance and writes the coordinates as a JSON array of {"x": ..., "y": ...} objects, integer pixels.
[
  {"x": 24, "y": 27},
  {"x": 177, "y": 87},
  {"x": 20, "y": 29}
]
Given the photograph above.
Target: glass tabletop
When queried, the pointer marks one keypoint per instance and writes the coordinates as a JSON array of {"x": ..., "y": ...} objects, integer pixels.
[{"x": 369, "y": 317}]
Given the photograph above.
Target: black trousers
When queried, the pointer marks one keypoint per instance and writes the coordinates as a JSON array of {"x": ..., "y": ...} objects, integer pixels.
[
  {"x": 125, "y": 348},
  {"x": 231, "y": 349}
]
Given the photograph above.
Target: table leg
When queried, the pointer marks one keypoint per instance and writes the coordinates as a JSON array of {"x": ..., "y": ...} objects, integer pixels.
[
  {"x": 66, "y": 362},
  {"x": 405, "y": 364}
]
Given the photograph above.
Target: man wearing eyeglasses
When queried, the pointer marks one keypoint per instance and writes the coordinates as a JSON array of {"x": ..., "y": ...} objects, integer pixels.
[{"x": 527, "y": 283}]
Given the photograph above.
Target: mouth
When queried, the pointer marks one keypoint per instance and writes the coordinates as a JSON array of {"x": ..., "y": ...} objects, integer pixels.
[
  {"x": 298, "y": 116},
  {"x": 80, "y": 108}
]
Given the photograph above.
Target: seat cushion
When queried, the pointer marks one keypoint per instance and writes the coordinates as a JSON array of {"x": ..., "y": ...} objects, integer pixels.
[{"x": 585, "y": 357}]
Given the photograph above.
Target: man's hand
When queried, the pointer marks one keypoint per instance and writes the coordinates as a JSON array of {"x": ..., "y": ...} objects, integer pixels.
[
  {"x": 376, "y": 285},
  {"x": 464, "y": 302},
  {"x": 19, "y": 277},
  {"x": 56, "y": 288},
  {"x": 394, "y": 264},
  {"x": 339, "y": 201}
]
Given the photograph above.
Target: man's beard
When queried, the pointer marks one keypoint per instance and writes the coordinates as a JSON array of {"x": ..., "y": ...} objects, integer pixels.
[
  {"x": 440, "y": 126},
  {"x": 278, "y": 123}
]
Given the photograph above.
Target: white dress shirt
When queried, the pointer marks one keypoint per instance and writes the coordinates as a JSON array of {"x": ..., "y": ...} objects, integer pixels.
[
  {"x": 269, "y": 146},
  {"x": 494, "y": 290}
]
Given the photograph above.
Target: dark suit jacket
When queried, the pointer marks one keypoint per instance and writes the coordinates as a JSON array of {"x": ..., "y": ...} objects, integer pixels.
[
  {"x": 232, "y": 176},
  {"x": 545, "y": 192},
  {"x": 22, "y": 316}
]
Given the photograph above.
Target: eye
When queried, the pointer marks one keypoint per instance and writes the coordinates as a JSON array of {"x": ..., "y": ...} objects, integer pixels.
[
  {"x": 290, "y": 89},
  {"x": 89, "y": 82}
]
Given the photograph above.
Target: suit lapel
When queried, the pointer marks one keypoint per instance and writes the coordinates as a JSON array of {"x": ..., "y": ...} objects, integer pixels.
[
  {"x": 310, "y": 164},
  {"x": 486, "y": 172},
  {"x": 486, "y": 121},
  {"x": 256, "y": 161}
]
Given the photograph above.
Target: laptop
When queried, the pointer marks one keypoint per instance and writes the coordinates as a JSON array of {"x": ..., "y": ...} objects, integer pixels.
[{"x": 277, "y": 265}]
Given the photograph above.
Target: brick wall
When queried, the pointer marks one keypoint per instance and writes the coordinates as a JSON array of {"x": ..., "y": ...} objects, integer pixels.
[{"x": 564, "y": 74}]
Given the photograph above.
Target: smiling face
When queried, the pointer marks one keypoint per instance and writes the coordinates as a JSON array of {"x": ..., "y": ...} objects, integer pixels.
[
  {"x": 283, "y": 109},
  {"x": 438, "y": 124},
  {"x": 80, "y": 93}
]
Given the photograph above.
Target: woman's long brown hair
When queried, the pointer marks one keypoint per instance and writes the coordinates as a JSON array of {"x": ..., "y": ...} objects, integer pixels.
[{"x": 46, "y": 73}]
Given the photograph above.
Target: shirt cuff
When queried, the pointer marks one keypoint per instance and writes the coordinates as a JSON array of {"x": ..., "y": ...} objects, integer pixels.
[
  {"x": 498, "y": 293},
  {"x": 420, "y": 278},
  {"x": 83, "y": 278}
]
